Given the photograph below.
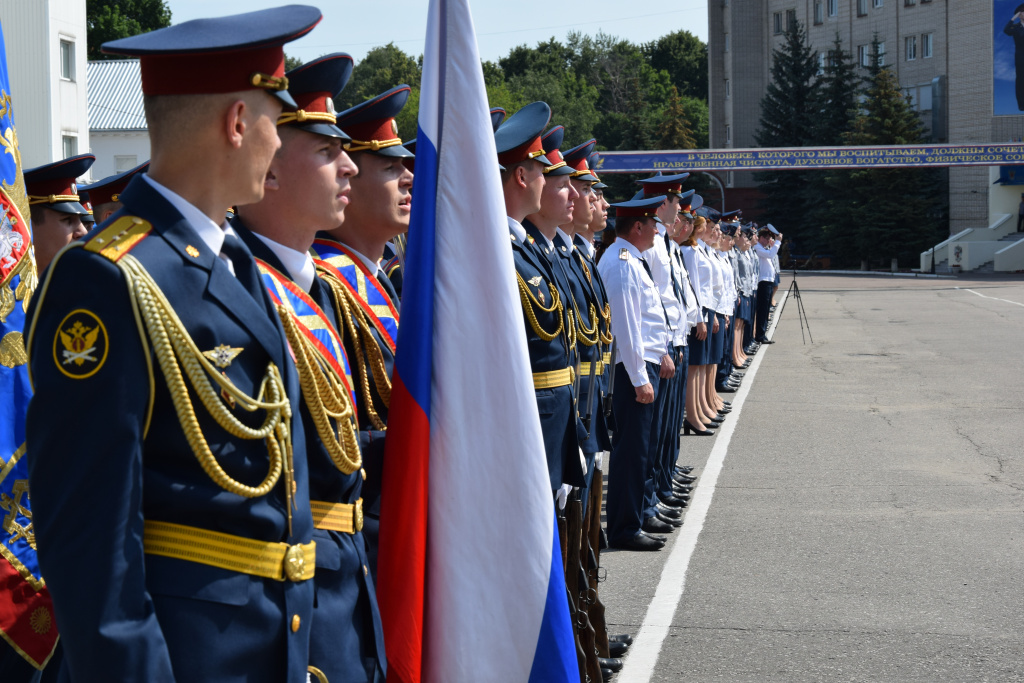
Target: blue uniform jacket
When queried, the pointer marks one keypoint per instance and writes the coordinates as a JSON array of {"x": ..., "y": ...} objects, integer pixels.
[
  {"x": 347, "y": 640},
  {"x": 125, "y": 615}
]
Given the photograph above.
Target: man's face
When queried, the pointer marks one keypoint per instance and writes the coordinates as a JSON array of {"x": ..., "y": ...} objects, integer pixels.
[
  {"x": 260, "y": 143},
  {"x": 599, "y": 219},
  {"x": 532, "y": 176},
  {"x": 381, "y": 198},
  {"x": 669, "y": 209},
  {"x": 648, "y": 233},
  {"x": 53, "y": 233},
  {"x": 557, "y": 200},
  {"x": 583, "y": 205},
  {"x": 312, "y": 174},
  {"x": 764, "y": 240}
]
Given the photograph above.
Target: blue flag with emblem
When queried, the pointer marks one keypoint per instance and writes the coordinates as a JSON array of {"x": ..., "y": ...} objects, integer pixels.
[{"x": 26, "y": 613}]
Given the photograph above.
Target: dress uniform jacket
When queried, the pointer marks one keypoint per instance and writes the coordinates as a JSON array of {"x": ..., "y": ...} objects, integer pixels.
[
  {"x": 584, "y": 254},
  {"x": 558, "y": 418},
  {"x": 126, "y": 615},
  {"x": 347, "y": 640}
]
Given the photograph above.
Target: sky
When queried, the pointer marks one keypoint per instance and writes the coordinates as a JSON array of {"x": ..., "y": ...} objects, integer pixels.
[{"x": 358, "y": 26}]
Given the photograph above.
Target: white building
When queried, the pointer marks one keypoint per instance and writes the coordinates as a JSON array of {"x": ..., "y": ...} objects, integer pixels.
[
  {"x": 46, "y": 63},
  {"x": 117, "y": 120}
]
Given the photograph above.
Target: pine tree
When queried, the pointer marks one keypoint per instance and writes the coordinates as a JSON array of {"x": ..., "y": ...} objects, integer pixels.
[
  {"x": 788, "y": 112},
  {"x": 674, "y": 131},
  {"x": 890, "y": 206}
]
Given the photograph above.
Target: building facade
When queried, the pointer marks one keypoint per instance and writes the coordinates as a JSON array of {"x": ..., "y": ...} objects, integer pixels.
[
  {"x": 46, "y": 63},
  {"x": 940, "y": 50},
  {"x": 117, "y": 118}
]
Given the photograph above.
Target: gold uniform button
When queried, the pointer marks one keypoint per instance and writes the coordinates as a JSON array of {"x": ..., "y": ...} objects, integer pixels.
[
  {"x": 362, "y": 472},
  {"x": 296, "y": 622}
]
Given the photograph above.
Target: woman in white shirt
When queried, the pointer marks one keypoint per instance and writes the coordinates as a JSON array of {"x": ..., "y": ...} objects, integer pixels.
[{"x": 700, "y": 272}]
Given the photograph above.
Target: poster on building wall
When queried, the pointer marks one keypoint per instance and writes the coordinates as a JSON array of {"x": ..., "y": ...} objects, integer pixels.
[{"x": 1008, "y": 58}]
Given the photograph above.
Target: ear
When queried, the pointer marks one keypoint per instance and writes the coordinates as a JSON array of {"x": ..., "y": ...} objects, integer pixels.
[
  {"x": 235, "y": 122},
  {"x": 520, "y": 176}
]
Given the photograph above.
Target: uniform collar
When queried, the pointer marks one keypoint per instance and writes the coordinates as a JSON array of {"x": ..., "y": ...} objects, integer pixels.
[
  {"x": 209, "y": 232},
  {"x": 565, "y": 238},
  {"x": 517, "y": 229},
  {"x": 585, "y": 244},
  {"x": 299, "y": 264}
]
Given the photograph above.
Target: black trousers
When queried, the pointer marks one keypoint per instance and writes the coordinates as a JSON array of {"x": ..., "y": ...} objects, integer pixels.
[{"x": 764, "y": 306}]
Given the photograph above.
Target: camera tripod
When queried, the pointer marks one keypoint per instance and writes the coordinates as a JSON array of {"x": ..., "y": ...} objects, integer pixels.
[{"x": 794, "y": 292}]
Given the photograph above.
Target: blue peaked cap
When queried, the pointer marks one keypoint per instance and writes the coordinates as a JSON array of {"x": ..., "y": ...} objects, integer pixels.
[{"x": 314, "y": 86}]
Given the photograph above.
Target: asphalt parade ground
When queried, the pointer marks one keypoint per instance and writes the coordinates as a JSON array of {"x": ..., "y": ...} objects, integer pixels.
[{"x": 860, "y": 515}]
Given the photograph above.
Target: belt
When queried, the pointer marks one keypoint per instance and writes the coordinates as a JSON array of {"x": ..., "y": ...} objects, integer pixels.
[
  {"x": 585, "y": 369},
  {"x": 607, "y": 358},
  {"x": 278, "y": 561},
  {"x": 552, "y": 379},
  {"x": 346, "y": 518}
]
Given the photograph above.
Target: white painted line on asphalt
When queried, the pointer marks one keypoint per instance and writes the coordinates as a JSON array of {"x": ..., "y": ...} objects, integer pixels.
[
  {"x": 643, "y": 654},
  {"x": 1015, "y": 303}
]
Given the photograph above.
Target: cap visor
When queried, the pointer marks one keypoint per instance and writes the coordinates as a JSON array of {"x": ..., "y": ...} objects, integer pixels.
[
  {"x": 285, "y": 97},
  {"x": 396, "y": 151},
  {"x": 322, "y": 128},
  {"x": 68, "y": 207}
]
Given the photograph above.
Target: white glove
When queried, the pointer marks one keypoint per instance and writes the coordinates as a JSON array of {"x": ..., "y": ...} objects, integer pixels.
[
  {"x": 599, "y": 460},
  {"x": 583, "y": 460},
  {"x": 563, "y": 495}
]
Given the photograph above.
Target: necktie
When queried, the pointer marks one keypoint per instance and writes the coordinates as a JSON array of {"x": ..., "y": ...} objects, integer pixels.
[
  {"x": 388, "y": 287},
  {"x": 664, "y": 312},
  {"x": 244, "y": 266}
]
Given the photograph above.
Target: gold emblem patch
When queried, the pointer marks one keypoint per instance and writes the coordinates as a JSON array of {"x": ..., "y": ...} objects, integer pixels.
[
  {"x": 81, "y": 344},
  {"x": 535, "y": 281},
  {"x": 222, "y": 355},
  {"x": 192, "y": 251}
]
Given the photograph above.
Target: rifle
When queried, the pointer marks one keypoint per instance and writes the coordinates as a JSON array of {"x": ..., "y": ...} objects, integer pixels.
[
  {"x": 590, "y": 390},
  {"x": 593, "y": 562},
  {"x": 573, "y": 527},
  {"x": 611, "y": 383}
]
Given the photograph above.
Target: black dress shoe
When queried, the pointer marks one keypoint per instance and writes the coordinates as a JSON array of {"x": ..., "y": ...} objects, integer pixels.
[
  {"x": 675, "y": 502},
  {"x": 606, "y": 674},
  {"x": 639, "y": 542},
  {"x": 621, "y": 638},
  {"x": 683, "y": 469},
  {"x": 617, "y": 648},
  {"x": 653, "y": 525},
  {"x": 688, "y": 428},
  {"x": 725, "y": 389},
  {"x": 685, "y": 488},
  {"x": 681, "y": 483},
  {"x": 613, "y": 664},
  {"x": 669, "y": 511},
  {"x": 767, "y": 341},
  {"x": 674, "y": 523},
  {"x": 686, "y": 478}
]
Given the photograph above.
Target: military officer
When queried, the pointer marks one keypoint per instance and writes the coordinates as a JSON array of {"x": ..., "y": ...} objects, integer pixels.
[
  {"x": 549, "y": 335},
  {"x": 348, "y": 262},
  {"x": 55, "y": 205},
  {"x": 186, "y": 492},
  {"x": 766, "y": 249},
  {"x": 104, "y": 195},
  {"x": 642, "y": 338},
  {"x": 307, "y": 190}
]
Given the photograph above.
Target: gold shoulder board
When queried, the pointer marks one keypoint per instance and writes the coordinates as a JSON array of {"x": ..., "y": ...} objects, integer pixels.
[{"x": 120, "y": 237}]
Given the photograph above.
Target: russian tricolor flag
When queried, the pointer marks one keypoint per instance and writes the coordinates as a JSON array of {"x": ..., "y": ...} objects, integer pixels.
[{"x": 470, "y": 580}]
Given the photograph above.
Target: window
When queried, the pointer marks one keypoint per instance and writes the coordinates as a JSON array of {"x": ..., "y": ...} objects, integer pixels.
[
  {"x": 728, "y": 89},
  {"x": 909, "y": 3},
  {"x": 790, "y": 19},
  {"x": 125, "y": 162},
  {"x": 926, "y": 45},
  {"x": 728, "y": 135},
  {"x": 878, "y": 3},
  {"x": 819, "y": 12},
  {"x": 777, "y": 23},
  {"x": 67, "y": 60},
  {"x": 727, "y": 42},
  {"x": 881, "y": 54},
  {"x": 833, "y": 8},
  {"x": 821, "y": 63},
  {"x": 864, "y": 55},
  {"x": 925, "y": 97},
  {"x": 70, "y": 145},
  {"x": 729, "y": 180},
  {"x": 862, "y": 7},
  {"x": 910, "y": 43}
]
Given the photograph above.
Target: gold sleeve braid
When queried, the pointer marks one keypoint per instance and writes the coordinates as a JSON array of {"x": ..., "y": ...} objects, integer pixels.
[
  {"x": 366, "y": 350},
  {"x": 175, "y": 351},
  {"x": 326, "y": 397},
  {"x": 530, "y": 303}
]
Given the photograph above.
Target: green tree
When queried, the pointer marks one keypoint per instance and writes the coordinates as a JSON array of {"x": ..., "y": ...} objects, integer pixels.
[
  {"x": 674, "y": 131},
  {"x": 684, "y": 57},
  {"x": 898, "y": 211},
  {"x": 382, "y": 69},
  {"x": 788, "y": 113},
  {"x": 292, "y": 62},
  {"x": 107, "y": 20}
]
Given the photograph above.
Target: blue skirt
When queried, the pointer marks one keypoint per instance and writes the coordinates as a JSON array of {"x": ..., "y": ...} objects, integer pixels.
[
  {"x": 717, "y": 346},
  {"x": 745, "y": 309},
  {"x": 698, "y": 348}
]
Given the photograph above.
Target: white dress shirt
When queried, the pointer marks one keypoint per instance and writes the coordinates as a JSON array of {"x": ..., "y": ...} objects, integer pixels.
[
  {"x": 638, "y": 321},
  {"x": 717, "y": 279},
  {"x": 698, "y": 267},
  {"x": 767, "y": 268},
  {"x": 727, "y": 306},
  {"x": 692, "y": 314},
  {"x": 661, "y": 269},
  {"x": 209, "y": 232},
  {"x": 517, "y": 229},
  {"x": 298, "y": 264}
]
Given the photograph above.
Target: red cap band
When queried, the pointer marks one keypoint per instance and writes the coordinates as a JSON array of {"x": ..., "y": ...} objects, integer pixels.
[
  {"x": 210, "y": 73},
  {"x": 531, "y": 150}
]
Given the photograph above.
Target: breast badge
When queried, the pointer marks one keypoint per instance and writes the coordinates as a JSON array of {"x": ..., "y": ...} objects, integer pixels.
[
  {"x": 81, "y": 344},
  {"x": 535, "y": 281},
  {"x": 222, "y": 355}
]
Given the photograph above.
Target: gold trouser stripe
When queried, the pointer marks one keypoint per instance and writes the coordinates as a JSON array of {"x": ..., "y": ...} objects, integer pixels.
[
  {"x": 585, "y": 369},
  {"x": 607, "y": 358},
  {"x": 234, "y": 553},
  {"x": 344, "y": 517},
  {"x": 552, "y": 379}
]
